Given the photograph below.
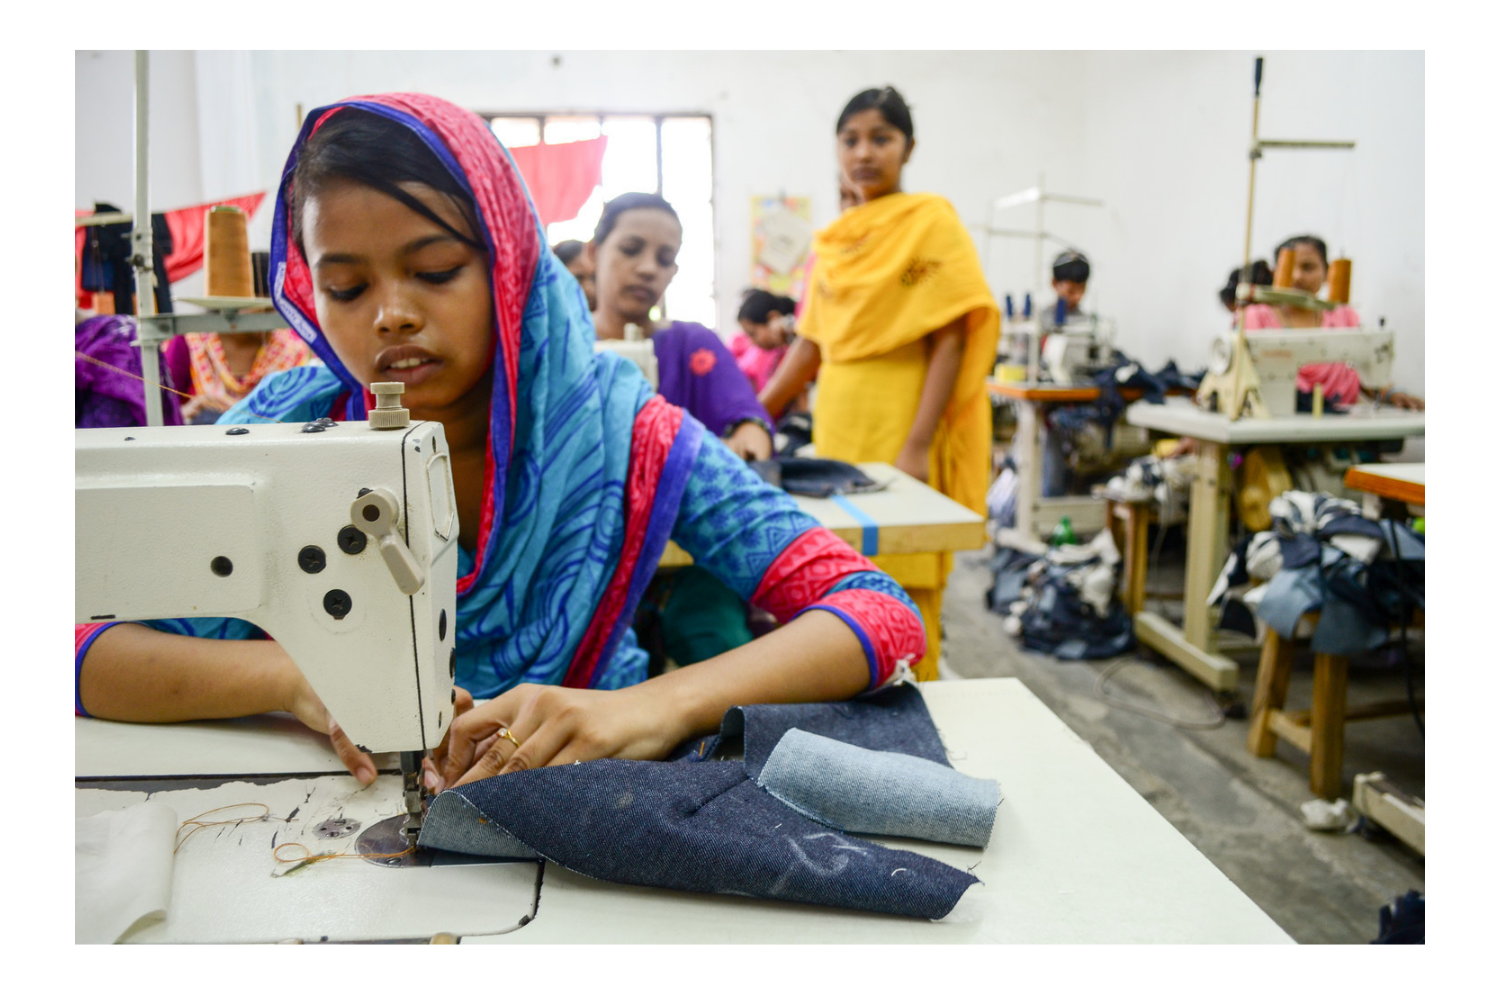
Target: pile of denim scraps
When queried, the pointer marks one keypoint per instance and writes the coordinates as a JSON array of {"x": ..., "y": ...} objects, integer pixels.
[
  {"x": 1063, "y": 603},
  {"x": 1167, "y": 482},
  {"x": 1364, "y": 577},
  {"x": 773, "y": 825},
  {"x": 1125, "y": 374}
]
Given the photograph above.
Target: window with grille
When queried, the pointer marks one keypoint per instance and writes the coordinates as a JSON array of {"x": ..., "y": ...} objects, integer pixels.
[{"x": 667, "y": 154}]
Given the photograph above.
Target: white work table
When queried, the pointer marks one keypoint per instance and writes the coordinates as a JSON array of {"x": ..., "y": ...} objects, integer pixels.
[
  {"x": 1076, "y": 855},
  {"x": 907, "y": 516},
  {"x": 1193, "y": 646}
]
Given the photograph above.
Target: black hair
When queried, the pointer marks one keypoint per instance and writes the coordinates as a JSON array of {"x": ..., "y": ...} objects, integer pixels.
[
  {"x": 567, "y": 251},
  {"x": 1072, "y": 266},
  {"x": 891, "y": 105},
  {"x": 758, "y": 305},
  {"x": 1317, "y": 244},
  {"x": 374, "y": 151},
  {"x": 629, "y": 202},
  {"x": 1260, "y": 275}
]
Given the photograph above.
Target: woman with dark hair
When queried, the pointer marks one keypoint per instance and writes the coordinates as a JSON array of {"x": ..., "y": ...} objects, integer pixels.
[
  {"x": 634, "y": 253},
  {"x": 1260, "y": 275},
  {"x": 571, "y": 254},
  {"x": 766, "y": 321},
  {"x": 406, "y": 249},
  {"x": 1340, "y": 382},
  {"x": 900, "y": 328}
]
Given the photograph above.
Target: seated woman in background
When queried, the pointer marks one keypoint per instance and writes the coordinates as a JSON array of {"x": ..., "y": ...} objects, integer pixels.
[
  {"x": 634, "y": 254},
  {"x": 569, "y": 473},
  {"x": 1339, "y": 381},
  {"x": 571, "y": 254},
  {"x": 1260, "y": 275},
  {"x": 765, "y": 321},
  {"x": 221, "y": 370}
]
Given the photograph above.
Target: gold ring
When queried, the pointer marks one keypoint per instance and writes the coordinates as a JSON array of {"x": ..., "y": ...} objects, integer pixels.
[{"x": 505, "y": 733}]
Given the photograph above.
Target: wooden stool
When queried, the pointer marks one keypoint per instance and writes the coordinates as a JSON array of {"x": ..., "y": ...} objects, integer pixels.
[
  {"x": 1318, "y": 732},
  {"x": 1128, "y": 522}
]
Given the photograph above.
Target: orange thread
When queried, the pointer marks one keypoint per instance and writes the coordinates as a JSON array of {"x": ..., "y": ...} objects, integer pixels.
[
  {"x": 195, "y": 820},
  {"x": 346, "y": 854},
  {"x": 117, "y": 369}
]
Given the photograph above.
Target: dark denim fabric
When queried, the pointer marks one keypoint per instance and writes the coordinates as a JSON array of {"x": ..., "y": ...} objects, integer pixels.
[
  {"x": 813, "y": 477},
  {"x": 708, "y": 826}
]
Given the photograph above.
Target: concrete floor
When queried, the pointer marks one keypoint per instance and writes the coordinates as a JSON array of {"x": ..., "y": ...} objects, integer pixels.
[{"x": 1243, "y": 813}]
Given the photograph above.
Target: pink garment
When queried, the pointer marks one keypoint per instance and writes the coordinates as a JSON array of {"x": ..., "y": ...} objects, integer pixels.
[
  {"x": 755, "y": 362},
  {"x": 560, "y": 178},
  {"x": 1340, "y": 381}
]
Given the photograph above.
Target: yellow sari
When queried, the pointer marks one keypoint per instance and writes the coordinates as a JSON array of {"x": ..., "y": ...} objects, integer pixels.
[{"x": 888, "y": 274}]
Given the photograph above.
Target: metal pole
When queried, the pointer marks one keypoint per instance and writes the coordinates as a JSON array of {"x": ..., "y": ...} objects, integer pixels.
[
  {"x": 140, "y": 245},
  {"x": 1246, "y": 277}
]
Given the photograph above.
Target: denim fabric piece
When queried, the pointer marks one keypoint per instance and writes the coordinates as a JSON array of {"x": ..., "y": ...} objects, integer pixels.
[
  {"x": 702, "y": 827},
  {"x": 891, "y": 720},
  {"x": 1298, "y": 551},
  {"x": 1289, "y": 595},
  {"x": 879, "y": 793},
  {"x": 1344, "y": 631},
  {"x": 454, "y": 824}
]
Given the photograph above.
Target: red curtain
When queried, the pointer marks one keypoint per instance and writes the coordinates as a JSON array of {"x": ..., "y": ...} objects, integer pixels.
[
  {"x": 186, "y": 225},
  {"x": 561, "y": 177}
]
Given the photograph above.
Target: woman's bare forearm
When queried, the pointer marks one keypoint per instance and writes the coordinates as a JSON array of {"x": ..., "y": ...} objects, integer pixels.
[
  {"x": 937, "y": 388},
  {"x": 797, "y": 369},
  {"x": 136, "y": 673},
  {"x": 815, "y": 657}
]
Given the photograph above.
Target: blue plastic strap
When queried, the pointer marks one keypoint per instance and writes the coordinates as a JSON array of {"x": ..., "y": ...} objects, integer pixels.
[{"x": 870, "y": 537}]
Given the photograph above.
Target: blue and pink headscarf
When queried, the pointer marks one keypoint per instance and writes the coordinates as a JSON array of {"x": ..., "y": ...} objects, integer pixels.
[{"x": 586, "y": 466}]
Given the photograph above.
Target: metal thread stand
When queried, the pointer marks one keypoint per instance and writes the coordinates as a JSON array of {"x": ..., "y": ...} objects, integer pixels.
[
  {"x": 1039, "y": 235},
  {"x": 1241, "y": 383},
  {"x": 151, "y": 328}
]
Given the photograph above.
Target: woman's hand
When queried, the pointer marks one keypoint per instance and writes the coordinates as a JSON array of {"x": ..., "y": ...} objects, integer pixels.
[
  {"x": 304, "y": 703},
  {"x": 912, "y": 461},
  {"x": 1405, "y": 402},
  {"x": 750, "y": 441},
  {"x": 532, "y": 725}
]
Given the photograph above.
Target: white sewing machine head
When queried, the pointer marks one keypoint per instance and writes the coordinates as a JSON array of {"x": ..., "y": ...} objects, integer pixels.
[
  {"x": 634, "y": 347},
  {"x": 339, "y": 540},
  {"x": 1278, "y": 355},
  {"x": 1076, "y": 352}
]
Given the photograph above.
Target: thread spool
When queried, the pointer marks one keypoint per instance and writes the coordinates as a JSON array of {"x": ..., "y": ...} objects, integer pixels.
[
  {"x": 226, "y": 250},
  {"x": 1285, "y": 263},
  {"x": 1338, "y": 280}
]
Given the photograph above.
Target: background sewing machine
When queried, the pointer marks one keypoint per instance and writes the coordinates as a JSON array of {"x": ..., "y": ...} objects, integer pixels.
[
  {"x": 1072, "y": 354},
  {"x": 1274, "y": 357},
  {"x": 636, "y": 347},
  {"x": 337, "y": 539}
]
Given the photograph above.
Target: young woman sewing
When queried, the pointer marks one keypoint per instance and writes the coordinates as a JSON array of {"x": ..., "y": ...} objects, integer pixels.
[
  {"x": 1339, "y": 381},
  {"x": 900, "y": 328},
  {"x": 411, "y": 252}
]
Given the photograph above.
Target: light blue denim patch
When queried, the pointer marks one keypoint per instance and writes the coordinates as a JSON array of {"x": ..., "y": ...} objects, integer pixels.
[
  {"x": 454, "y": 824},
  {"x": 879, "y": 793}
]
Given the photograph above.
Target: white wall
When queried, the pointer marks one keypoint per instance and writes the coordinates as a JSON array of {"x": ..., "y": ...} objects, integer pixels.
[
  {"x": 1165, "y": 138},
  {"x": 1161, "y": 137}
]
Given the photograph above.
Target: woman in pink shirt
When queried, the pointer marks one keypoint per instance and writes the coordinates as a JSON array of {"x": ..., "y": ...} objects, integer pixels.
[
  {"x": 1339, "y": 381},
  {"x": 766, "y": 321}
]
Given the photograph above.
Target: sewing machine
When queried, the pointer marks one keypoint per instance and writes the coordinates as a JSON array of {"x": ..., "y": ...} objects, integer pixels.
[
  {"x": 1276, "y": 356},
  {"x": 337, "y": 539},
  {"x": 1076, "y": 356},
  {"x": 636, "y": 348}
]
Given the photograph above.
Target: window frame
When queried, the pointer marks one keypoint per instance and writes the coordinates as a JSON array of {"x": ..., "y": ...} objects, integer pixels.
[{"x": 657, "y": 118}]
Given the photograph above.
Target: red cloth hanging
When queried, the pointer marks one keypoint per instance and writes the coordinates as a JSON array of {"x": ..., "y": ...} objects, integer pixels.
[
  {"x": 186, "y": 225},
  {"x": 561, "y": 177}
]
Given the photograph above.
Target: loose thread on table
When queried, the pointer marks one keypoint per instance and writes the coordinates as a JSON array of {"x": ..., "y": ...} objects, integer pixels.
[
  {"x": 153, "y": 383},
  {"x": 197, "y": 820},
  {"x": 345, "y": 854}
]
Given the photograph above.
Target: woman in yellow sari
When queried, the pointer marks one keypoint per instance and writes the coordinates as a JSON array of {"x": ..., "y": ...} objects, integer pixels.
[{"x": 901, "y": 330}]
